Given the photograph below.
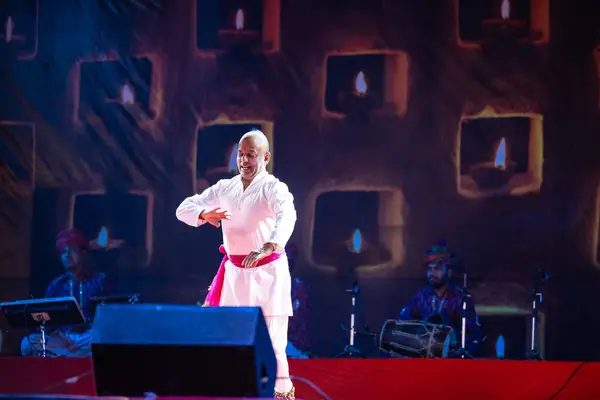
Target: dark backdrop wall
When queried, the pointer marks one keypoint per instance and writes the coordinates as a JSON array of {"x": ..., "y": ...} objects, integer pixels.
[{"x": 394, "y": 123}]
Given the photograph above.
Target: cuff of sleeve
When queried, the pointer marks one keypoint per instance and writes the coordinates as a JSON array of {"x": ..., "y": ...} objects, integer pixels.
[{"x": 200, "y": 222}]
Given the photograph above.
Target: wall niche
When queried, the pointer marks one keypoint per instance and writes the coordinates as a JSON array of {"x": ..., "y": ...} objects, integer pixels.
[
  {"x": 499, "y": 154},
  {"x": 115, "y": 222},
  {"x": 223, "y": 25},
  {"x": 480, "y": 22},
  {"x": 107, "y": 89},
  {"x": 355, "y": 228},
  {"x": 356, "y": 84},
  {"x": 216, "y": 146}
]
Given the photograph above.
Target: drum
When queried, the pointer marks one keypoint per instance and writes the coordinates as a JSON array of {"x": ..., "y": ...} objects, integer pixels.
[{"x": 412, "y": 339}]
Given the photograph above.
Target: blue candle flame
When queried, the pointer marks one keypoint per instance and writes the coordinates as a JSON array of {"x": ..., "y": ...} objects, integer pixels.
[
  {"x": 103, "y": 237},
  {"x": 356, "y": 241},
  {"x": 500, "y": 347},
  {"x": 500, "y": 159}
]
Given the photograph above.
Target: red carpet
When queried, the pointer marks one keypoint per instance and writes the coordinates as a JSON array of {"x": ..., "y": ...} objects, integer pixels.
[{"x": 348, "y": 379}]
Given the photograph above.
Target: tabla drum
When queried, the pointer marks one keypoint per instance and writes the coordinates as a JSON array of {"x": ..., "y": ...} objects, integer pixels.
[{"x": 414, "y": 339}]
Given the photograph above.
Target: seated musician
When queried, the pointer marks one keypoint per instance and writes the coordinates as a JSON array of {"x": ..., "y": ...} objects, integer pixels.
[
  {"x": 441, "y": 301},
  {"x": 80, "y": 282}
]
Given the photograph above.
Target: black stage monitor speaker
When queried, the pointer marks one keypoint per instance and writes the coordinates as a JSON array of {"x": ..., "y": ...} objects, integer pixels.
[{"x": 174, "y": 350}]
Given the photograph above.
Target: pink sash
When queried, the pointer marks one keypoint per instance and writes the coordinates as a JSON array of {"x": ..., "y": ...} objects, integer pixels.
[{"x": 213, "y": 298}]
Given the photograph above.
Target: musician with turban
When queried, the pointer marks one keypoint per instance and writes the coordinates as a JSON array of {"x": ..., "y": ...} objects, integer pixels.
[
  {"x": 441, "y": 301},
  {"x": 80, "y": 282}
]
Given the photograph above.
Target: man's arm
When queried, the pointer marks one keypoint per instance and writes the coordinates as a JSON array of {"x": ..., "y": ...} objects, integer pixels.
[
  {"x": 51, "y": 290},
  {"x": 281, "y": 202},
  {"x": 411, "y": 311},
  {"x": 190, "y": 209}
]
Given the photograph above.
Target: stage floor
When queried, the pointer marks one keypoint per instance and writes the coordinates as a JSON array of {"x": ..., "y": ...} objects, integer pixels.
[{"x": 348, "y": 379}]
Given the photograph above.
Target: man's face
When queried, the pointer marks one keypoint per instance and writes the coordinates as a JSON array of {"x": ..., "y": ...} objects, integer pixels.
[
  {"x": 251, "y": 158},
  {"x": 70, "y": 256},
  {"x": 438, "y": 275}
]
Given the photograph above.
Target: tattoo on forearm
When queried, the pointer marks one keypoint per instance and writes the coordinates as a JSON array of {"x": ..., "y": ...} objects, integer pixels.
[{"x": 272, "y": 247}]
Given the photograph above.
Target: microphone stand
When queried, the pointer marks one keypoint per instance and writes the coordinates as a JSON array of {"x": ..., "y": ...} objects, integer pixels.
[
  {"x": 533, "y": 353},
  {"x": 463, "y": 352},
  {"x": 350, "y": 350},
  {"x": 44, "y": 340}
]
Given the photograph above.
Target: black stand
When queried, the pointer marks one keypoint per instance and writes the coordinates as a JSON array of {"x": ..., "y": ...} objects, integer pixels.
[
  {"x": 542, "y": 277},
  {"x": 463, "y": 352},
  {"x": 43, "y": 339},
  {"x": 533, "y": 353},
  {"x": 350, "y": 350},
  {"x": 43, "y": 314}
]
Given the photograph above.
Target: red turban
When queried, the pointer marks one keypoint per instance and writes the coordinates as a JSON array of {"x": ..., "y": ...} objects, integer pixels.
[{"x": 71, "y": 237}]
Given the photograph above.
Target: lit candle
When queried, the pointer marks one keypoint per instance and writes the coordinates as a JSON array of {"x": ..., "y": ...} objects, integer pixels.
[
  {"x": 500, "y": 158},
  {"x": 505, "y": 9},
  {"x": 356, "y": 241},
  {"x": 103, "y": 237},
  {"x": 239, "y": 35},
  {"x": 359, "y": 101},
  {"x": 10, "y": 34},
  {"x": 500, "y": 347},
  {"x": 126, "y": 96},
  {"x": 104, "y": 241},
  {"x": 360, "y": 84},
  {"x": 494, "y": 174},
  {"x": 504, "y": 27},
  {"x": 239, "y": 19}
]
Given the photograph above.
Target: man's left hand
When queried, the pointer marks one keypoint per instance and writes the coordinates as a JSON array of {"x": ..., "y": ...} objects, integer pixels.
[{"x": 254, "y": 257}]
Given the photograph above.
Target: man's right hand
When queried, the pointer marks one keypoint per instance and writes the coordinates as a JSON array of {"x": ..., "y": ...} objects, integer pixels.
[{"x": 214, "y": 216}]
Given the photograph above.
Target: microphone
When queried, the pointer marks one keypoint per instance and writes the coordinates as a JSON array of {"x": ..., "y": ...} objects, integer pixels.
[
  {"x": 355, "y": 289},
  {"x": 542, "y": 276}
]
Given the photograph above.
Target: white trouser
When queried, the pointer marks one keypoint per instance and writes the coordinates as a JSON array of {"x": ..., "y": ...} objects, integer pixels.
[{"x": 278, "y": 330}]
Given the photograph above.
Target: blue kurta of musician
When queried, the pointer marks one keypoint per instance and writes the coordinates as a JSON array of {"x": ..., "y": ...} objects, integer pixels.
[{"x": 445, "y": 309}]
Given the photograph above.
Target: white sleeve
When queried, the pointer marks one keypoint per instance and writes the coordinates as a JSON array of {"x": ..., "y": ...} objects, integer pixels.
[
  {"x": 189, "y": 210},
  {"x": 281, "y": 202}
]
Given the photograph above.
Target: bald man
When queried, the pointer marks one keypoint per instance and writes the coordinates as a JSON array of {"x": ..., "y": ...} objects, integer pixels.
[{"x": 258, "y": 217}]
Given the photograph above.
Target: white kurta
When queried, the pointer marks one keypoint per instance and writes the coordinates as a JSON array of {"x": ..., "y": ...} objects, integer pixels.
[{"x": 263, "y": 213}]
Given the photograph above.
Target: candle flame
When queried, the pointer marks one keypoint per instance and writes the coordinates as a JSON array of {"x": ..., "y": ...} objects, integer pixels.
[
  {"x": 356, "y": 241},
  {"x": 505, "y": 9},
  {"x": 239, "y": 19},
  {"x": 127, "y": 96},
  {"x": 500, "y": 347},
  {"x": 232, "y": 164},
  {"x": 103, "y": 237},
  {"x": 500, "y": 159},
  {"x": 9, "y": 27},
  {"x": 360, "y": 84}
]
